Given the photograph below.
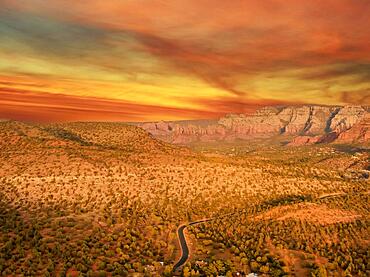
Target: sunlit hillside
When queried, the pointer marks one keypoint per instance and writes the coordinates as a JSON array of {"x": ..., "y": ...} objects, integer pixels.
[{"x": 106, "y": 199}]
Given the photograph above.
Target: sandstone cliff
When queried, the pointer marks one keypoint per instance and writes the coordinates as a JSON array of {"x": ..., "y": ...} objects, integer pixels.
[
  {"x": 360, "y": 132},
  {"x": 307, "y": 124}
]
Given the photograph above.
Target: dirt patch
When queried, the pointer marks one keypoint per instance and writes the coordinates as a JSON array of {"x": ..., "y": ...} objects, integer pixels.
[
  {"x": 296, "y": 261},
  {"x": 320, "y": 214}
]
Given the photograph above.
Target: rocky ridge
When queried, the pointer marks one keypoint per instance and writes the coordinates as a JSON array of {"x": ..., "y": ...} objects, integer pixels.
[
  {"x": 308, "y": 124},
  {"x": 360, "y": 132}
]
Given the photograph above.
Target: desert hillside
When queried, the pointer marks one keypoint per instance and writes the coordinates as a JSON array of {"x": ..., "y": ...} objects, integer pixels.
[
  {"x": 106, "y": 199},
  {"x": 35, "y": 148}
]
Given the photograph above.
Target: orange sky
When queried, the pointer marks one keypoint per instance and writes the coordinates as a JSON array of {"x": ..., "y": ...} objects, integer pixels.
[{"x": 138, "y": 60}]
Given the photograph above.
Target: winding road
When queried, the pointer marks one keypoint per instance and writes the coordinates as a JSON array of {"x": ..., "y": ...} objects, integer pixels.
[{"x": 182, "y": 240}]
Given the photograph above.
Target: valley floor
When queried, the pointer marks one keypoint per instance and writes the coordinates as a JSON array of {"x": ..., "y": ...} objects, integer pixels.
[{"x": 76, "y": 204}]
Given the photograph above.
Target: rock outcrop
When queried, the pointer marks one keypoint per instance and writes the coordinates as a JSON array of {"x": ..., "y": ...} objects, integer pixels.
[
  {"x": 346, "y": 118},
  {"x": 360, "y": 132},
  {"x": 308, "y": 124},
  {"x": 304, "y": 140}
]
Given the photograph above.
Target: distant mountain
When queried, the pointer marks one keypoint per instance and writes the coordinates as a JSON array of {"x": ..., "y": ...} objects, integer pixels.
[{"x": 306, "y": 124}]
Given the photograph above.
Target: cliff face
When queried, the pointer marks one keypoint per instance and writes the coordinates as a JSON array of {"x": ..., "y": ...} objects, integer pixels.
[
  {"x": 290, "y": 120},
  {"x": 360, "y": 131},
  {"x": 346, "y": 118},
  {"x": 308, "y": 124}
]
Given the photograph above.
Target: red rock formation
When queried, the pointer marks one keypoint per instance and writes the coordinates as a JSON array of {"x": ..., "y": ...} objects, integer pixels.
[
  {"x": 310, "y": 123},
  {"x": 304, "y": 140},
  {"x": 307, "y": 140},
  {"x": 360, "y": 132},
  {"x": 346, "y": 118}
]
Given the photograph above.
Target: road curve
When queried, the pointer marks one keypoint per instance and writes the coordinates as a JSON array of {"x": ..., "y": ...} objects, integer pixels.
[
  {"x": 182, "y": 240},
  {"x": 183, "y": 244}
]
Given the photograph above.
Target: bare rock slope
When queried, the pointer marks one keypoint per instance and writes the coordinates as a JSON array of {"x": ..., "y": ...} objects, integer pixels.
[
  {"x": 360, "y": 132},
  {"x": 308, "y": 124}
]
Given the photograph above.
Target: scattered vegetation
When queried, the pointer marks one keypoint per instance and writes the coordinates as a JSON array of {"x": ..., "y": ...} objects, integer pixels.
[{"x": 105, "y": 199}]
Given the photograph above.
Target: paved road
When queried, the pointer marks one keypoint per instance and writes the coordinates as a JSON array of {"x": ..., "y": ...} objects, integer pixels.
[
  {"x": 184, "y": 247},
  {"x": 182, "y": 240},
  {"x": 183, "y": 244}
]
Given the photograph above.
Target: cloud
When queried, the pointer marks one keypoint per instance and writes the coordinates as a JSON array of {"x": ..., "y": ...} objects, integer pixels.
[
  {"x": 239, "y": 51},
  {"x": 64, "y": 42},
  {"x": 360, "y": 72},
  {"x": 239, "y": 105},
  {"x": 21, "y": 104},
  {"x": 43, "y": 106},
  {"x": 356, "y": 97}
]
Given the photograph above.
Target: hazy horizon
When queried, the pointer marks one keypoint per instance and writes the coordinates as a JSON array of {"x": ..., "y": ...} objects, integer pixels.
[{"x": 215, "y": 118}]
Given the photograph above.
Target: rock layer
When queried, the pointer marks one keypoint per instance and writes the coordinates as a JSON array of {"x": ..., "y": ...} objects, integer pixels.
[
  {"x": 308, "y": 124},
  {"x": 360, "y": 132}
]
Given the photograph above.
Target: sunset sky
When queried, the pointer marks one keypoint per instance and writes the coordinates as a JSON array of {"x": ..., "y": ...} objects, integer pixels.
[{"x": 142, "y": 60}]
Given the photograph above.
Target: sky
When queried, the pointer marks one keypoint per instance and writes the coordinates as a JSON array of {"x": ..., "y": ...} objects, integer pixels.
[{"x": 144, "y": 60}]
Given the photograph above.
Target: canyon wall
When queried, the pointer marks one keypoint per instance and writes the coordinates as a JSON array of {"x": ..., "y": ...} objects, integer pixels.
[{"x": 306, "y": 124}]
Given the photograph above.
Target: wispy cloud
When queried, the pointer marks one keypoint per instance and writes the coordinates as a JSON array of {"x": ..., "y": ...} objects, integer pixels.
[
  {"x": 200, "y": 51},
  {"x": 50, "y": 107}
]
